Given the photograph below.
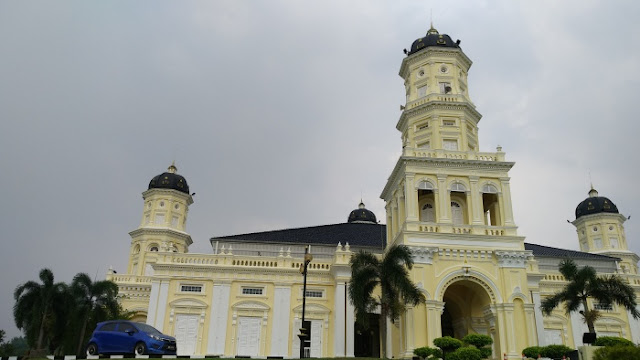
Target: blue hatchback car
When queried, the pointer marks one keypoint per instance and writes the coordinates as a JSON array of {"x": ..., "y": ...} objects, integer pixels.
[{"x": 126, "y": 337}]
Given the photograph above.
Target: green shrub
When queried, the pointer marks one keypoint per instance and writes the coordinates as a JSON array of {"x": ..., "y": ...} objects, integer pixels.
[
  {"x": 612, "y": 341},
  {"x": 465, "y": 353},
  {"x": 555, "y": 351},
  {"x": 486, "y": 352},
  {"x": 532, "y": 351},
  {"x": 617, "y": 353},
  {"x": 478, "y": 340},
  {"x": 428, "y": 352},
  {"x": 447, "y": 343}
]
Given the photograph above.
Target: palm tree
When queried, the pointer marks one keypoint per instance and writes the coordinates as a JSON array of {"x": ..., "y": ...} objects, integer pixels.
[
  {"x": 94, "y": 300},
  {"x": 391, "y": 275},
  {"x": 585, "y": 283},
  {"x": 37, "y": 305}
]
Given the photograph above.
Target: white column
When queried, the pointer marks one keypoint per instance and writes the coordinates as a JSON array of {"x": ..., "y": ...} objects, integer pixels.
[
  {"x": 219, "y": 315},
  {"x": 339, "y": 318},
  {"x": 444, "y": 200},
  {"x": 280, "y": 327},
  {"x": 411, "y": 196},
  {"x": 579, "y": 327},
  {"x": 153, "y": 303},
  {"x": 634, "y": 326},
  {"x": 162, "y": 305},
  {"x": 539, "y": 319},
  {"x": 506, "y": 200},
  {"x": 350, "y": 329},
  {"x": 409, "y": 333},
  {"x": 475, "y": 202}
]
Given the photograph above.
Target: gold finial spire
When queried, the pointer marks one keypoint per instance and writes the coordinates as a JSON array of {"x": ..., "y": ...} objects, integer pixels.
[{"x": 172, "y": 168}]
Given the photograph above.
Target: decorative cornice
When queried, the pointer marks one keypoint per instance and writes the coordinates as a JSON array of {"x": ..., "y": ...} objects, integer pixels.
[
  {"x": 513, "y": 259},
  {"x": 428, "y": 106},
  {"x": 457, "y": 53},
  {"x": 423, "y": 255}
]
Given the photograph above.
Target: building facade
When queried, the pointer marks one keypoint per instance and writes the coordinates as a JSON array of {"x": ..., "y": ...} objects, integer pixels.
[{"x": 446, "y": 200}]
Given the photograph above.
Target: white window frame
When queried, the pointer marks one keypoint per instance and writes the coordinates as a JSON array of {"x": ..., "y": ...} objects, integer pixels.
[
  {"x": 250, "y": 289},
  {"x": 450, "y": 142},
  {"x": 191, "y": 288},
  {"x": 422, "y": 91},
  {"x": 320, "y": 291}
]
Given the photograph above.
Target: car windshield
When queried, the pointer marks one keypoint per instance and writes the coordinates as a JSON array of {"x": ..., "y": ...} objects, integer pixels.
[{"x": 148, "y": 329}]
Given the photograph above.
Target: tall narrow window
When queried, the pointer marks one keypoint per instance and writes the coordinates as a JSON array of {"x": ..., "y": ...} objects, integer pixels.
[
  {"x": 445, "y": 88},
  {"x": 450, "y": 145},
  {"x": 422, "y": 91},
  {"x": 456, "y": 213},
  {"x": 427, "y": 214},
  {"x": 614, "y": 242}
]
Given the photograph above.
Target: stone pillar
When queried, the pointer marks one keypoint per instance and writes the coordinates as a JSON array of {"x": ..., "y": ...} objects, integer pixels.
[
  {"x": 506, "y": 201},
  {"x": 409, "y": 333},
  {"x": 444, "y": 213},
  {"x": 339, "y": 320},
  {"x": 476, "y": 202},
  {"x": 411, "y": 196},
  {"x": 542, "y": 341},
  {"x": 434, "y": 320},
  {"x": 351, "y": 336},
  {"x": 218, "y": 322},
  {"x": 280, "y": 328},
  {"x": 402, "y": 207},
  {"x": 163, "y": 294}
]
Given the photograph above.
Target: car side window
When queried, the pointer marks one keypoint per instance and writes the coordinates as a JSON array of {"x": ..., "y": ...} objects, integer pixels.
[
  {"x": 108, "y": 327},
  {"x": 126, "y": 327}
]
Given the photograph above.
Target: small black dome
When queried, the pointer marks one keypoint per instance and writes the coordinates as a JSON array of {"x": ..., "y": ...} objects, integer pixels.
[
  {"x": 362, "y": 215},
  {"x": 170, "y": 180},
  {"x": 433, "y": 38},
  {"x": 595, "y": 204}
]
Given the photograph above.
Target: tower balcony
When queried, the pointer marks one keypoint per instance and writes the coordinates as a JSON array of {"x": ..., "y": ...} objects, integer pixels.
[
  {"x": 449, "y": 154},
  {"x": 463, "y": 229},
  {"x": 435, "y": 97}
]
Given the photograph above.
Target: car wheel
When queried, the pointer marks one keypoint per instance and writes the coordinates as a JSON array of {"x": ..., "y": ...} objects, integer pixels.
[
  {"x": 92, "y": 349},
  {"x": 140, "y": 349}
]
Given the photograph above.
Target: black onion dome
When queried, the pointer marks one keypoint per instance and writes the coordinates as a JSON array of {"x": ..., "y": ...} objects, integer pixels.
[
  {"x": 595, "y": 204},
  {"x": 170, "y": 180},
  {"x": 433, "y": 38},
  {"x": 362, "y": 215}
]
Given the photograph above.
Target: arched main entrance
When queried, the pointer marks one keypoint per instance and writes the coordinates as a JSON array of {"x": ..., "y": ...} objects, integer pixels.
[{"x": 466, "y": 310}]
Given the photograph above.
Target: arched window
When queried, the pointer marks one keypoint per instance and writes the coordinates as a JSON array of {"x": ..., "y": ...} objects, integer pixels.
[
  {"x": 489, "y": 189},
  {"x": 425, "y": 185},
  {"x": 427, "y": 213},
  {"x": 456, "y": 213},
  {"x": 491, "y": 205},
  {"x": 459, "y": 187}
]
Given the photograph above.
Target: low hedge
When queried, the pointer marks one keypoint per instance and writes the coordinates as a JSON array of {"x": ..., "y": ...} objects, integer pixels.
[
  {"x": 549, "y": 351},
  {"x": 612, "y": 341}
]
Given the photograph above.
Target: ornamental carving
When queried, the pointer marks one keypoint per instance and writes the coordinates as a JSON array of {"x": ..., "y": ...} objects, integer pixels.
[
  {"x": 512, "y": 259},
  {"x": 422, "y": 255}
]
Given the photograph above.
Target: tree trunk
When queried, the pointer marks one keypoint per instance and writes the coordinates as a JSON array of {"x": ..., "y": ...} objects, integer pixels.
[
  {"x": 383, "y": 331},
  {"x": 82, "y": 331},
  {"x": 590, "y": 325},
  {"x": 41, "y": 333}
]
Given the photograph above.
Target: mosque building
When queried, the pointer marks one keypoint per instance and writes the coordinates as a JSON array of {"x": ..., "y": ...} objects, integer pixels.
[{"x": 446, "y": 200}]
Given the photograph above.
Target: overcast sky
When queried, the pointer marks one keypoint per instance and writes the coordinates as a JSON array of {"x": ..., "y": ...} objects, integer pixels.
[{"x": 282, "y": 113}]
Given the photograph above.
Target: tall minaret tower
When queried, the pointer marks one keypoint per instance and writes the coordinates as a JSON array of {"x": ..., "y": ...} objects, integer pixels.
[
  {"x": 601, "y": 231},
  {"x": 164, "y": 221},
  {"x": 442, "y": 182},
  {"x": 451, "y": 204}
]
